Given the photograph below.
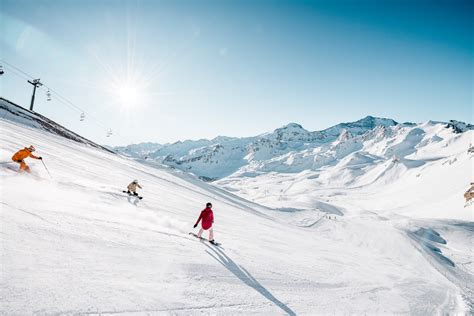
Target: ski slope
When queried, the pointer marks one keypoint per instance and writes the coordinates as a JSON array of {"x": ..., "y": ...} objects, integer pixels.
[{"x": 72, "y": 243}]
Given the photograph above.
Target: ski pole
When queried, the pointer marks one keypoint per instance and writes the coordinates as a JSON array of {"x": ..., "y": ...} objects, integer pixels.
[{"x": 46, "y": 168}]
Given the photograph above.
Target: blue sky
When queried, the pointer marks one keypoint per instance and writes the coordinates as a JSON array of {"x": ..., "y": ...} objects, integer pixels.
[{"x": 168, "y": 70}]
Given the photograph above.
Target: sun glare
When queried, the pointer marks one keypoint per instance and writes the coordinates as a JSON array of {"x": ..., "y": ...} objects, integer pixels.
[{"x": 128, "y": 95}]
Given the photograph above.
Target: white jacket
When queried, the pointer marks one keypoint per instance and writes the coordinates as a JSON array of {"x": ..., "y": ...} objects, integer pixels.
[{"x": 132, "y": 187}]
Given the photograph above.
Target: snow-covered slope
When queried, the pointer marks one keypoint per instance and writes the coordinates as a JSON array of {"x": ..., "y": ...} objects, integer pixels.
[
  {"x": 421, "y": 170},
  {"x": 12, "y": 112},
  {"x": 73, "y": 244}
]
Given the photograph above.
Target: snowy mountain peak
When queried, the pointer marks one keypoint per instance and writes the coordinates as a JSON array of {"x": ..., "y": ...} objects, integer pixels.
[
  {"x": 291, "y": 126},
  {"x": 459, "y": 127},
  {"x": 371, "y": 122},
  {"x": 223, "y": 139},
  {"x": 344, "y": 136},
  {"x": 358, "y": 127},
  {"x": 292, "y": 132}
]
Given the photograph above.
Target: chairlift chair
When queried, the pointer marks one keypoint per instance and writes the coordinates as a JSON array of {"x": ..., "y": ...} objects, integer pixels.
[
  {"x": 1, "y": 70},
  {"x": 82, "y": 117},
  {"x": 48, "y": 95}
]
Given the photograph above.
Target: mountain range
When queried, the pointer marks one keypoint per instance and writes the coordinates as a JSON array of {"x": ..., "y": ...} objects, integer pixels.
[{"x": 292, "y": 148}]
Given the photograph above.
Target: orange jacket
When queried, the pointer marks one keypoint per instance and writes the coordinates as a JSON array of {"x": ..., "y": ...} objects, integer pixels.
[{"x": 22, "y": 154}]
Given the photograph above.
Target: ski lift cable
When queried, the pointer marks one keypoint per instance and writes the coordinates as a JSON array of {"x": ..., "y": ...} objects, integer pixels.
[
  {"x": 71, "y": 105},
  {"x": 4, "y": 62},
  {"x": 18, "y": 73},
  {"x": 64, "y": 100},
  {"x": 25, "y": 75},
  {"x": 60, "y": 98},
  {"x": 67, "y": 102},
  {"x": 21, "y": 74}
]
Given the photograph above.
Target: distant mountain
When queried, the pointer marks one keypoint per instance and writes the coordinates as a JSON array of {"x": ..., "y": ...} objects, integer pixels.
[
  {"x": 290, "y": 148},
  {"x": 459, "y": 127}
]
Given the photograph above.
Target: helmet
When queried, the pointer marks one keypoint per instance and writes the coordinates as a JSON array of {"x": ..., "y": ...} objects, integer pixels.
[
  {"x": 31, "y": 148},
  {"x": 135, "y": 181},
  {"x": 208, "y": 204}
]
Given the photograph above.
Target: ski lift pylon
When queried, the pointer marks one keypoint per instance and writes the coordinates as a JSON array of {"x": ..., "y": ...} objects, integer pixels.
[{"x": 82, "y": 117}]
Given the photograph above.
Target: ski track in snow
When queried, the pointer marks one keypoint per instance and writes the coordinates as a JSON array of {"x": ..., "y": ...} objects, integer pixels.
[{"x": 73, "y": 244}]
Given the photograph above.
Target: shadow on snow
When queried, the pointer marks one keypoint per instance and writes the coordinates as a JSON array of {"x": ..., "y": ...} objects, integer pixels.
[{"x": 246, "y": 277}]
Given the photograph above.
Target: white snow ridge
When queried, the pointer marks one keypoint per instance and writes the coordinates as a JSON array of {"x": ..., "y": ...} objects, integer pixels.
[{"x": 362, "y": 218}]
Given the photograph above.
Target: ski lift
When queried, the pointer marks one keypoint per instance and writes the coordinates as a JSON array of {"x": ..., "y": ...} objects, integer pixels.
[
  {"x": 109, "y": 133},
  {"x": 48, "y": 95},
  {"x": 82, "y": 117},
  {"x": 1, "y": 70}
]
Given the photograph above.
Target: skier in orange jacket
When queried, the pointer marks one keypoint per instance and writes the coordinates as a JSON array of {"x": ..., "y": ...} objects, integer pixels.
[
  {"x": 469, "y": 195},
  {"x": 22, "y": 154}
]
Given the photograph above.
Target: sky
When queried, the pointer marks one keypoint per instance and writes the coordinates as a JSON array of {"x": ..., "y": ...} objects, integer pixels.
[{"x": 164, "y": 71}]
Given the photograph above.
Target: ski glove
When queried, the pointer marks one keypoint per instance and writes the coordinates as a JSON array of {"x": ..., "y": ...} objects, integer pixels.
[
  {"x": 195, "y": 225},
  {"x": 40, "y": 158}
]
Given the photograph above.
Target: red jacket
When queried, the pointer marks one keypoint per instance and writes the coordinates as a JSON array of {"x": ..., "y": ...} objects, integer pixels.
[{"x": 207, "y": 217}]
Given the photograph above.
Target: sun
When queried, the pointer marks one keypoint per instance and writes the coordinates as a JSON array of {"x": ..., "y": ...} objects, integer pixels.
[
  {"x": 128, "y": 86},
  {"x": 128, "y": 95}
]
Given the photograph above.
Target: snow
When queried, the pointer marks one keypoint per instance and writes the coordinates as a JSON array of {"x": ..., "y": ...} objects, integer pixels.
[
  {"x": 296, "y": 245},
  {"x": 418, "y": 170},
  {"x": 15, "y": 113}
]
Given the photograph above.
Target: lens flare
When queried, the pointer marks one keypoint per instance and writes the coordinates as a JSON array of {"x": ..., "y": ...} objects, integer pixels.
[{"x": 129, "y": 95}]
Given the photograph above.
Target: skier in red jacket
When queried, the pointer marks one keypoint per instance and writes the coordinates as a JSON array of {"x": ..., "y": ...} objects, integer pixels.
[{"x": 207, "y": 217}]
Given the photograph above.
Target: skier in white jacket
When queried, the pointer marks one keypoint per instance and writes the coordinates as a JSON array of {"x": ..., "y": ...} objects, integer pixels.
[{"x": 132, "y": 188}]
